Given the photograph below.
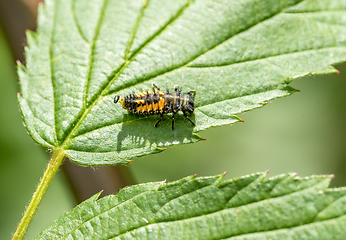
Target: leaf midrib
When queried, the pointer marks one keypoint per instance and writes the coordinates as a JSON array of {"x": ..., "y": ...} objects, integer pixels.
[
  {"x": 127, "y": 62},
  {"x": 52, "y": 77}
]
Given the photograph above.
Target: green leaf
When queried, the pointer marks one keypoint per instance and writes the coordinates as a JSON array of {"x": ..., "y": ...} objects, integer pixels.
[
  {"x": 235, "y": 54},
  {"x": 250, "y": 207}
]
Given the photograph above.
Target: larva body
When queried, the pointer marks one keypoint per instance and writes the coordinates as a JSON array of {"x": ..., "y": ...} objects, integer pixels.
[{"x": 158, "y": 102}]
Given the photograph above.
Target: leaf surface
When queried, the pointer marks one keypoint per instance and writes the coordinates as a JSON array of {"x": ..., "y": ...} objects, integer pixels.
[
  {"x": 235, "y": 54},
  {"x": 250, "y": 207}
]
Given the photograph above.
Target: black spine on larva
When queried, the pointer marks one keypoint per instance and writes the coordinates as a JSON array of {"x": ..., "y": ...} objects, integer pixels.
[
  {"x": 190, "y": 104},
  {"x": 168, "y": 102},
  {"x": 155, "y": 100},
  {"x": 150, "y": 101},
  {"x": 127, "y": 103},
  {"x": 134, "y": 104},
  {"x": 156, "y": 97},
  {"x": 177, "y": 100},
  {"x": 147, "y": 98}
]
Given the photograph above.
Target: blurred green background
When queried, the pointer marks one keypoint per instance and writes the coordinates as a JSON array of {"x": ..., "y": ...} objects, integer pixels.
[{"x": 303, "y": 133}]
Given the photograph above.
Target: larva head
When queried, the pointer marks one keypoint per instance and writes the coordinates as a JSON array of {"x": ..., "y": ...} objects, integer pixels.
[{"x": 120, "y": 99}]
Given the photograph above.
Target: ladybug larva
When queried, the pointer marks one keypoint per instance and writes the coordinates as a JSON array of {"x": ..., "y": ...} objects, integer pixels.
[{"x": 158, "y": 102}]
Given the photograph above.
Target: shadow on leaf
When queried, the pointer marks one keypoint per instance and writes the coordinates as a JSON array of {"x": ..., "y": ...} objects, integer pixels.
[{"x": 139, "y": 131}]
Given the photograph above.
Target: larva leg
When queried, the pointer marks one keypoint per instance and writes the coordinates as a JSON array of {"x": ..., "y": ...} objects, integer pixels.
[
  {"x": 159, "y": 120},
  {"x": 173, "y": 121},
  {"x": 187, "y": 117}
]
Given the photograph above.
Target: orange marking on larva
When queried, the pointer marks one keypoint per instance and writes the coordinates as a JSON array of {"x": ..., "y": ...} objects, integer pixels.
[
  {"x": 161, "y": 103},
  {"x": 140, "y": 108},
  {"x": 155, "y": 106},
  {"x": 139, "y": 102},
  {"x": 149, "y": 107},
  {"x": 161, "y": 93}
]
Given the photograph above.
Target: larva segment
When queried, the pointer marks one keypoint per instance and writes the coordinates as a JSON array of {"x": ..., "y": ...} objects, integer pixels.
[{"x": 161, "y": 104}]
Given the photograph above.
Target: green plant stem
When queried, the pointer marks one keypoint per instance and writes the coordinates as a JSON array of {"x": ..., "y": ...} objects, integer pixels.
[{"x": 47, "y": 178}]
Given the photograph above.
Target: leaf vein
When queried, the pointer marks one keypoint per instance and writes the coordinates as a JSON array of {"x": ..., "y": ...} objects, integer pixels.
[
  {"x": 267, "y": 57},
  {"x": 74, "y": 16},
  {"x": 165, "y": 26},
  {"x": 135, "y": 29},
  {"x": 92, "y": 51}
]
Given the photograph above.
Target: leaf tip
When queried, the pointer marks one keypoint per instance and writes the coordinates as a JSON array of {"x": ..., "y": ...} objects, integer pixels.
[
  {"x": 194, "y": 175},
  {"x": 198, "y": 137},
  {"x": 130, "y": 161},
  {"x": 337, "y": 71},
  {"x": 266, "y": 172},
  {"x": 18, "y": 63},
  {"x": 160, "y": 149},
  {"x": 331, "y": 175},
  {"x": 224, "y": 173},
  {"x": 297, "y": 90},
  {"x": 264, "y": 103},
  {"x": 242, "y": 120}
]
